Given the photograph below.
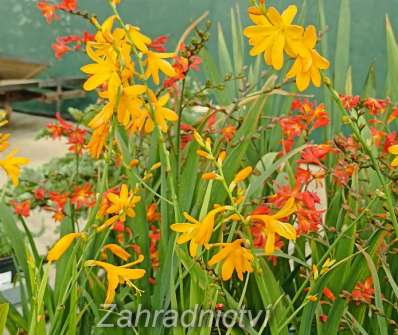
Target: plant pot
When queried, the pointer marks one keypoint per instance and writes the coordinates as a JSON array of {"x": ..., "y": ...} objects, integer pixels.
[{"x": 7, "y": 272}]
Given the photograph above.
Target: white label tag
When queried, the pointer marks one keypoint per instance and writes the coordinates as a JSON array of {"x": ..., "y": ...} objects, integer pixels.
[{"x": 5, "y": 279}]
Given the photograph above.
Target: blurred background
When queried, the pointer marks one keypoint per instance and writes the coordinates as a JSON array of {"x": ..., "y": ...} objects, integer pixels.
[{"x": 26, "y": 35}]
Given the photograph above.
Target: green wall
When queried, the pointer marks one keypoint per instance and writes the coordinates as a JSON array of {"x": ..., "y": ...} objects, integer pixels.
[{"x": 24, "y": 32}]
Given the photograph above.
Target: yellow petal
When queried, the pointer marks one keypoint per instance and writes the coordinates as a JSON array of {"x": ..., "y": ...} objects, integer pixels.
[
  {"x": 289, "y": 14},
  {"x": 277, "y": 51},
  {"x": 284, "y": 229},
  {"x": 270, "y": 244},
  {"x": 227, "y": 269},
  {"x": 288, "y": 209},
  {"x": 62, "y": 246},
  {"x": 393, "y": 149},
  {"x": 274, "y": 16}
]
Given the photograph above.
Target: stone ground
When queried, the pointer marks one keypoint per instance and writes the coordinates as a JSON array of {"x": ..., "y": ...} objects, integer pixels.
[{"x": 23, "y": 129}]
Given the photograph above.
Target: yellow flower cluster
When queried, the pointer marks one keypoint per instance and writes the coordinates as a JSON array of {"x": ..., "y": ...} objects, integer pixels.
[
  {"x": 123, "y": 88},
  {"x": 234, "y": 255},
  {"x": 11, "y": 164},
  {"x": 274, "y": 35}
]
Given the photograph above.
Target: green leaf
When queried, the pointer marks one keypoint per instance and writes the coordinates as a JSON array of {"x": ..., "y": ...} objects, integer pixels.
[
  {"x": 342, "y": 55},
  {"x": 392, "y": 62},
  {"x": 3, "y": 316},
  {"x": 369, "y": 89}
]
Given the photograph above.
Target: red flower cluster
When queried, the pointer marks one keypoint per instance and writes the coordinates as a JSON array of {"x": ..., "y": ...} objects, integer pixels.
[
  {"x": 154, "y": 237},
  {"x": 82, "y": 196},
  {"x": 49, "y": 10},
  {"x": 76, "y": 136},
  {"x": 159, "y": 44},
  {"x": 350, "y": 102},
  {"x": 65, "y": 44},
  {"x": 342, "y": 172},
  {"x": 306, "y": 118},
  {"x": 363, "y": 292},
  {"x": 314, "y": 154},
  {"x": 181, "y": 66},
  {"x": 376, "y": 106},
  {"x": 21, "y": 208}
]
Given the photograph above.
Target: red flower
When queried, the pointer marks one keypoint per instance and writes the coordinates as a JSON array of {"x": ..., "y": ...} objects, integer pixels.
[
  {"x": 323, "y": 318},
  {"x": 186, "y": 136},
  {"x": 76, "y": 139},
  {"x": 194, "y": 63},
  {"x": 154, "y": 237},
  {"x": 68, "y": 5},
  {"x": 159, "y": 43},
  {"x": 314, "y": 116},
  {"x": 391, "y": 139},
  {"x": 88, "y": 37},
  {"x": 314, "y": 154},
  {"x": 152, "y": 214},
  {"x": 65, "y": 44},
  {"x": 119, "y": 227},
  {"x": 329, "y": 294},
  {"x": 378, "y": 135},
  {"x": 60, "y": 49},
  {"x": 376, "y": 106},
  {"x": 48, "y": 11},
  {"x": 228, "y": 133},
  {"x": 82, "y": 196},
  {"x": 39, "y": 193},
  {"x": 393, "y": 115},
  {"x": 350, "y": 102},
  {"x": 342, "y": 173},
  {"x": 363, "y": 292},
  {"x": 59, "y": 199},
  {"x": 21, "y": 208}
]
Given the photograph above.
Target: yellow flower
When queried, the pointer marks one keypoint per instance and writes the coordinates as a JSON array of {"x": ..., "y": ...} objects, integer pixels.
[
  {"x": 327, "y": 265},
  {"x": 104, "y": 70},
  {"x": 394, "y": 150},
  {"x": 243, "y": 174},
  {"x": 97, "y": 141},
  {"x": 273, "y": 225},
  {"x": 12, "y": 166},
  {"x": 273, "y": 34},
  {"x": 123, "y": 204},
  {"x": 119, "y": 275},
  {"x": 4, "y": 142},
  {"x": 105, "y": 40},
  {"x": 199, "y": 233},
  {"x": 234, "y": 257},
  {"x": 59, "y": 249},
  {"x": 139, "y": 40},
  {"x": 127, "y": 105},
  {"x": 120, "y": 206},
  {"x": 307, "y": 64},
  {"x": 162, "y": 113},
  {"x": 117, "y": 250},
  {"x": 155, "y": 62}
]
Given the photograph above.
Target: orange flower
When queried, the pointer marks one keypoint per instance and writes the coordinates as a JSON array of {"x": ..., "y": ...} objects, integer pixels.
[
  {"x": 48, "y": 11},
  {"x": 62, "y": 246},
  {"x": 329, "y": 294},
  {"x": 119, "y": 275},
  {"x": 273, "y": 225},
  {"x": 82, "y": 196},
  {"x": 117, "y": 250},
  {"x": 152, "y": 213},
  {"x": 234, "y": 257}
]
